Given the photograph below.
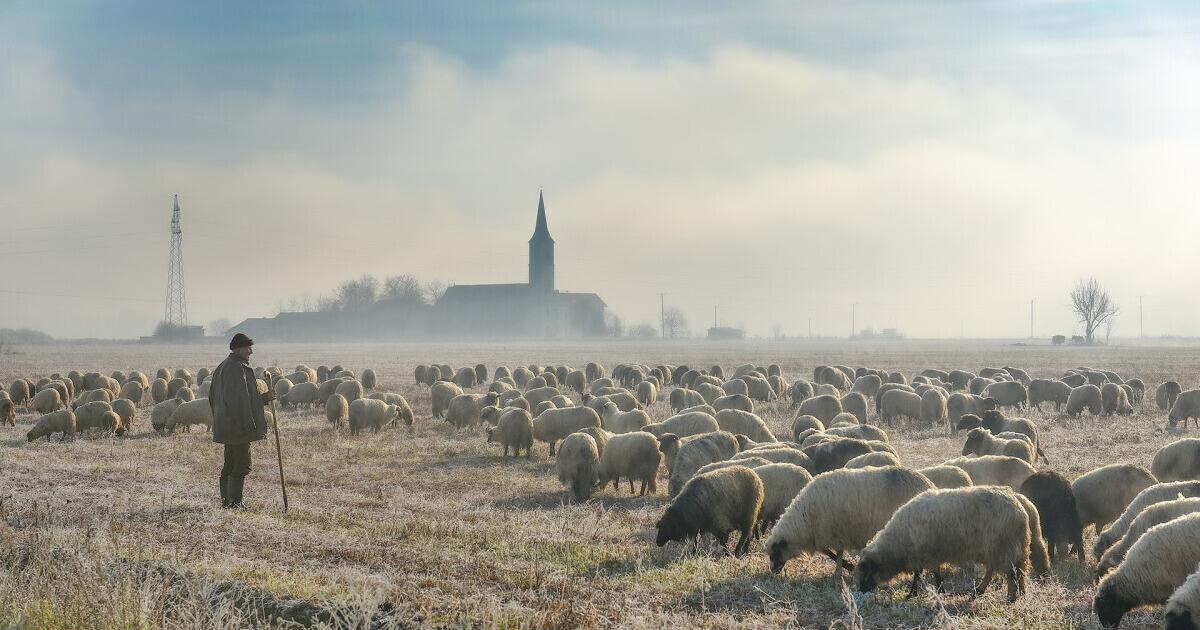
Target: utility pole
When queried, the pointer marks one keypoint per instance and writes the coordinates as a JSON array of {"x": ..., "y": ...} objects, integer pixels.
[
  {"x": 1141, "y": 322},
  {"x": 715, "y": 324},
  {"x": 853, "y": 315},
  {"x": 662, "y": 313},
  {"x": 810, "y": 328}
]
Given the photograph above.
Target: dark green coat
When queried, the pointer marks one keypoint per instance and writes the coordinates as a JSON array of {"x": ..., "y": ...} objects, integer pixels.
[{"x": 237, "y": 407}]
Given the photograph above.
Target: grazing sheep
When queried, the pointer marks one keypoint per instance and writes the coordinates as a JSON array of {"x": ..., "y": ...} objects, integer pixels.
[
  {"x": 981, "y": 442},
  {"x": 8, "y": 414},
  {"x": 441, "y": 393},
  {"x": 1159, "y": 492},
  {"x": 734, "y": 401},
  {"x": 45, "y": 401},
  {"x": 781, "y": 483},
  {"x": 835, "y": 377},
  {"x": 803, "y": 423},
  {"x": 464, "y": 378},
  {"x": 514, "y": 429},
  {"x": 1051, "y": 493},
  {"x": 282, "y": 385},
  {"x": 737, "y": 421},
  {"x": 337, "y": 410},
  {"x": 995, "y": 470},
  {"x": 634, "y": 456},
  {"x": 875, "y": 459},
  {"x": 718, "y": 502},
  {"x": 1183, "y": 607},
  {"x": 834, "y": 454},
  {"x": 736, "y": 386},
  {"x": 682, "y": 398},
  {"x": 1085, "y": 397},
  {"x": 840, "y": 511},
  {"x": 619, "y": 421},
  {"x": 555, "y": 424},
  {"x": 190, "y": 413},
  {"x": 801, "y": 391},
  {"x": 132, "y": 391},
  {"x": 709, "y": 391},
  {"x": 1139, "y": 390},
  {"x": 367, "y": 378},
  {"x": 1177, "y": 461},
  {"x": 856, "y": 404},
  {"x": 1047, "y": 390},
  {"x": 994, "y": 421},
  {"x": 685, "y": 457},
  {"x": 887, "y": 387},
  {"x": 187, "y": 394},
  {"x": 158, "y": 390},
  {"x": 97, "y": 415},
  {"x": 302, "y": 394},
  {"x": 962, "y": 526},
  {"x": 777, "y": 454},
  {"x": 1155, "y": 514},
  {"x": 1113, "y": 399},
  {"x": 576, "y": 462},
  {"x": 899, "y": 403},
  {"x": 860, "y": 431},
  {"x": 684, "y": 425},
  {"x": 1103, "y": 494},
  {"x": 959, "y": 405},
  {"x": 933, "y": 407},
  {"x": 370, "y": 413},
  {"x": 350, "y": 389},
  {"x": 600, "y": 436},
  {"x": 62, "y": 421},
  {"x": 463, "y": 410},
  {"x": 1166, "y": 394},
  {"x": 20, "y": 392},
  {"x": 1160, "y": 561},
  {"x": 867, "y": 385},
  {"x": 945, "y": 477},
  {"x": 748, "y": 462},
  {"x": 1187, "y": 405},
  {"x": 824, "y": 407}
]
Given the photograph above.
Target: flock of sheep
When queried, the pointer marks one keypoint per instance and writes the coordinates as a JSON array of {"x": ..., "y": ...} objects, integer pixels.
[{"x": 836, "y": 487}]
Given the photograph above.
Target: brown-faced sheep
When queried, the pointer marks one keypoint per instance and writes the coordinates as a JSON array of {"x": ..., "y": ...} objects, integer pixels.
[
  {"x": 1183, "y": 607},
  {"x": 719, "y": 502},
  {"x": 1187, "y": 405},
  {"x": 634, "y": 456},
  {"x": 1155, "y": 514},
  {"x": 959, "y": 405},
  {"x": 1051, "y": 493},
  {"x": 1177, "y": 461},
  {"x": 1155, "y": 566},
  {"x": 514, "y": 429},
  {"x": 555, "y": 424},
  {"x": 962, "y": 526},
  {"x": 995, "y": 470},
  {"x": 737, "y": 421},
  {"x": 981, "y": 442},
  {"x": 1165, "y": 395},
  {"x": 684, "y": 424},
  {"x": 1157, "y": 493},
  {"x": 1103, "y": 494},
  {"x": 686, "y": 457},
  {"x": 945, "y": 477},
  {"x": 61, "y": 421},
  {"x": 576, "y": 462},
  {"x": 840, "y": 511}
]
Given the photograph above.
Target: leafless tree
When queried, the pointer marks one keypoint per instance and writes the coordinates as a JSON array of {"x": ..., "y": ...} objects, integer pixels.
[
  {"x": 434, "y": 290},
  {"x": 404, "y": 289},
  {"x": 613, "y": 325},
  {"x": 218, "y": 326},
  {"x": 643, "y": 331},
  {"x": 674, "y": 322},
  {"x": 356, "y": 295},
  {"x": 1092, "y": 306}
]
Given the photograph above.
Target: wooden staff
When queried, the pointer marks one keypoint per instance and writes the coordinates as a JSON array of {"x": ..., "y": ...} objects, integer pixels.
[{"x": 278, "y": 447}]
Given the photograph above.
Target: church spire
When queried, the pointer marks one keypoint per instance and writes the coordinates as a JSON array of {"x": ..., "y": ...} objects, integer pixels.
[{"x": 540, "y": 231}]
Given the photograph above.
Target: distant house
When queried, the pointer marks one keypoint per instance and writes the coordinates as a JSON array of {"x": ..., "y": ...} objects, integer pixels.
[
  {"x": 725, "y": 332},
  {"x": 530, "y": 309}
]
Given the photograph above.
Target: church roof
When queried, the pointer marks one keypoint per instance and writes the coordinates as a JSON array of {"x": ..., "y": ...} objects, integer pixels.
[{"x": 540, "y": 231}]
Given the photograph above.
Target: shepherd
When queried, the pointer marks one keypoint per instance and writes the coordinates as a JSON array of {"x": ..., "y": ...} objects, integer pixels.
[{"x": 238, "y": 418}]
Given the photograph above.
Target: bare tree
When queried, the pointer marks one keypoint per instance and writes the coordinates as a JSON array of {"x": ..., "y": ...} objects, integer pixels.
[
  {"x": 643, "y": 331},
  {"x": 1092, "y": 306},
  {"x": 218, "y": 326},
  {"x": 404, "y": 289},
  {"x": 434, "y": 290},
  {"x": 357, "y": 295},
  {"x": 674, "y": 322},
  {"x": 613, "y": 325}
]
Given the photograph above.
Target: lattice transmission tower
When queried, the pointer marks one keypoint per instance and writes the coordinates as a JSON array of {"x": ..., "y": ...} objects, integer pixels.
[{"x": 176, "y": 309}]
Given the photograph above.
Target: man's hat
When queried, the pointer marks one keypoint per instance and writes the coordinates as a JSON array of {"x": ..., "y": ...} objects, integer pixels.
[{"x": 240, "y": 341}]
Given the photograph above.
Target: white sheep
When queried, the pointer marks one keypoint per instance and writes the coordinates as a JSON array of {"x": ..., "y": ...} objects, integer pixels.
[
  {"x": 1183, "y": 607},
  {"x": 370, "y": 413},
  {"x": 337, "y": 410},
  {"x": 46, "y": 401},
  {"x": 685, "y": 457},
  {"x": 781, "y": 483},
  {"x": 61, "y": 421},
  {"x": 873, "y": 460},
  {"x": 1177, "y": 461},
  {"x": 1085, "y": 397},
  {"x": 1103, "y": 494},
  {"x": 514, "y": 429},
  {"x": 634, "y": 456},
  {"x": 190, "y": 413},
  {"x": 577, "y": 464},
  {"x": 824, "y": 407},
  {"x": 980, "y": 441},
  {"x": 1159, "y": 492},
  {"x": 1155, "y": 514},
  {"x": 1160, "y": 561},
  {"x": 995, "y": 470},
  {"x": 684, "y": 425},
  {"x": 946, "y": 477},
  {"x": 1187, "y": 405},
  {"x": 897, "y": 403},
  {"x": 555, "y": 424},
  {"x": 745, "y": 423}
]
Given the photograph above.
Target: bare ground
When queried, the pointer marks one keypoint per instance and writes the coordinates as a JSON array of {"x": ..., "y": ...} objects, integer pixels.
[{"x": 431, "y": 527}]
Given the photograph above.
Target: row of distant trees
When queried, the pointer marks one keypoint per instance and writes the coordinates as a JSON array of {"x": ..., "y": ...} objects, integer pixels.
[
  {"x": 674, "y": 322},
  {"x": 365, "y": 292}
]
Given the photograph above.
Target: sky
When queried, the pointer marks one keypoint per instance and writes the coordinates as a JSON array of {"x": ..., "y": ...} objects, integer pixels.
[{"x": 929, "y": 166}]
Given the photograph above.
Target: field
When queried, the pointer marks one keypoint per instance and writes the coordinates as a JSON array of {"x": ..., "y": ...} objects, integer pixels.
[{"x": 431, "y": 527}]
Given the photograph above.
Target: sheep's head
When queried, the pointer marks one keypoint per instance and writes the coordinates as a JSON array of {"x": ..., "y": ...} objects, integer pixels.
[
  {"x": 990, "y": 403},
  {"x": 1110, "y": 608},
  {"x": 968, "y": 421},
  {"x": 992, "y": 420},
  {"x": 870, "y": 573},
  {"x": 1179, "y": 620},
  {"x": 779, "y": 551},
  {"x": 673, "y": 526},
  {"x": 490, "y": 431},
  {"x": 974, "y": 439},
  {"x": 667, "y": 442}
]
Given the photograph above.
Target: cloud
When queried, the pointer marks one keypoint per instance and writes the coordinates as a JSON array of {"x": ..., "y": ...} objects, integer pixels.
[{"x": 775, "y": 186}]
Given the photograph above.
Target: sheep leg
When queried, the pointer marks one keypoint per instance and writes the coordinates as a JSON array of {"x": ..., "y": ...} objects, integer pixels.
[
  {"x": 723, "y": 538},
  {"x": 987, "y": 581},
  {"x": 743, "y": 544},
  {"x": 631, "y": 485},
  {"x": 643, "y": 493},
  {"x": 551, "y": 449},
  {"x": 916, "y": 582},
  {"x": 1016, "y": 583}
]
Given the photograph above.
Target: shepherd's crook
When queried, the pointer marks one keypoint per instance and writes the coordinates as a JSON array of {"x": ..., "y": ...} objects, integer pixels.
[{"x": 278, "y": 448}]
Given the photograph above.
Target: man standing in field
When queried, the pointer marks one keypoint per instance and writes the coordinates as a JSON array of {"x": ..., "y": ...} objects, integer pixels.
[{"x": 238, "y": 417}]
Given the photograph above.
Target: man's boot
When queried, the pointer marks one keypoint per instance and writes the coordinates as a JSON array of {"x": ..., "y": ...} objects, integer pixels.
[
  {"x": 235, "y": 492},
  {"x": 224, "y": 491}
]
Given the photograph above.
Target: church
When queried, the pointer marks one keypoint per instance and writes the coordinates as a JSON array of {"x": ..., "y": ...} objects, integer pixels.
[
  {"x": 531, "y": 309},
  {"x": 528, "y": 309}
]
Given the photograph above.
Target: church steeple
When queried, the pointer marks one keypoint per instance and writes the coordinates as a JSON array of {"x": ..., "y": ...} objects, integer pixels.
[{"x": 541, "y": 252}]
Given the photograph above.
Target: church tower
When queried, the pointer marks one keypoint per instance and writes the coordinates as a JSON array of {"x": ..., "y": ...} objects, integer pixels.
[{"x": 541, "y": 253}]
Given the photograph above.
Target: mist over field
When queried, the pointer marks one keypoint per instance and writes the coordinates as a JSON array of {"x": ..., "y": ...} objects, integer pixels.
[{"x": 935, "y": 166}]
